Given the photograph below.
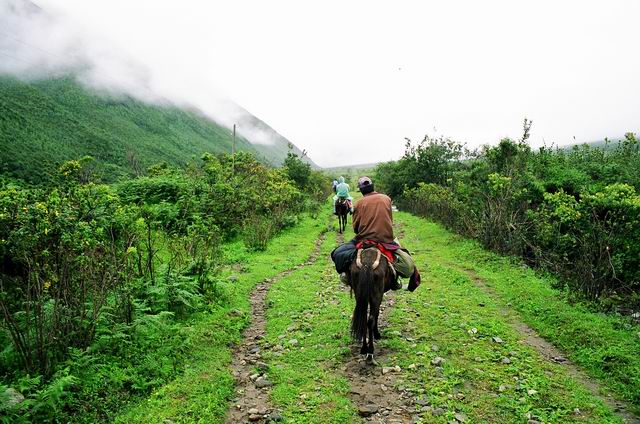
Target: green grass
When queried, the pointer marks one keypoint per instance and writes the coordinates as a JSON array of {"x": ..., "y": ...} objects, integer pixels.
[
  {"x": 437, "y": 320},
  {"x": 605, "y": 346},
  {"x": 308, "y": 306},
  {"x": 203, "y": 392}
]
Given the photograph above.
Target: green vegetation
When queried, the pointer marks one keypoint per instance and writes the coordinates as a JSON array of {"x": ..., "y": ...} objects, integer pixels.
[
  {"x": 47, "y": 122},
  {"x": 203, "y": 392},
  {"x": 105, "y": 290},
  {"x": 575, "y": 213},
  {"x": 307, "y": 324},
  {"x": 451, "y": 304}
]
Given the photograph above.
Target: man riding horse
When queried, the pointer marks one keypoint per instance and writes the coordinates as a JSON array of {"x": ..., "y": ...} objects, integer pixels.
[
  {"x": 373, "y": 225},
  {"x": 342, "y": 193}
]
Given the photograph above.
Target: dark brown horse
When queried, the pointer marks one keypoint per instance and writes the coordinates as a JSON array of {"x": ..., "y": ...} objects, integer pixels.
[
  {"x": 369, "y": 274},
  {"x": 342, "y": 210}
]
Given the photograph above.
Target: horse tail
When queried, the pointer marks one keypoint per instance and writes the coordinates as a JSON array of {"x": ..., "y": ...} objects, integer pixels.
[{"x": 359, "y": 320}]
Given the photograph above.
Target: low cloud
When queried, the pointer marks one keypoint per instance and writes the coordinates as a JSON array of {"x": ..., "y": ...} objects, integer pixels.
[{"x": 36, "y": 43}]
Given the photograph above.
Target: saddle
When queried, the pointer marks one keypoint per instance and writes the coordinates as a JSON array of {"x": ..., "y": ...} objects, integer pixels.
[
  {"x": 344, "y": 201},
  {"x": 385, "y": 249}
]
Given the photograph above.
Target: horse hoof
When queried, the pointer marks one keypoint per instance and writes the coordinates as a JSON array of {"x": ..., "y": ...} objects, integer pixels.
[{"x": 370, "y": 360}]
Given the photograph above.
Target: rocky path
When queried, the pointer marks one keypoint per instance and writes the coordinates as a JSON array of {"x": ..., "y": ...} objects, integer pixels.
[
  {"x": 374, "y": 389},
  {"x": 252, "y": 386}
]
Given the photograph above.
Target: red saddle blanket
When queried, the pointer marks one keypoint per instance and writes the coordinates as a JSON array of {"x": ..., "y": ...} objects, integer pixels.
[{"x": 386, "y": 249}]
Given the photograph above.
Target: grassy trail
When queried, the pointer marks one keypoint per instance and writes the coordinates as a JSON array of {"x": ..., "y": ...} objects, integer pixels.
[
  {"x": 203, "y": 393},
  {"x": 452, "y": 352},
  {"x": 462, "y": 348}
]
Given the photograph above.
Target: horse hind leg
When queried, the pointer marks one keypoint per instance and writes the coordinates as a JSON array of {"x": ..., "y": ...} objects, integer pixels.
[
  {"x": 376, "y": 331},
  {"x": 370, "y": 349},
  {"x": 363, "y": 349}
]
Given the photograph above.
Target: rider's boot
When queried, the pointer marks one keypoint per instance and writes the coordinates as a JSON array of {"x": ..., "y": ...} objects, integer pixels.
[
  {"x": 344, "y": 278},
  {"x": 394, "y": 284}
]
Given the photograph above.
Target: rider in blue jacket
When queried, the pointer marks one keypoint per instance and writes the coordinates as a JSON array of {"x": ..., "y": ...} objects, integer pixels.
[{"x": 342, "y": 192}]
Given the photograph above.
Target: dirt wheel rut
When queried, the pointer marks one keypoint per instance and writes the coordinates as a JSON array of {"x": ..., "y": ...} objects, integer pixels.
[
  {"x": 553, "y": 354},
  {"x": 252, "y": 385}
]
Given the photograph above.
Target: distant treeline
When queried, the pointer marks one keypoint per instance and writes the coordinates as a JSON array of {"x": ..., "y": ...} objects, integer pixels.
[
  {"x": 573, "y": 212},
  {"x": 96, "y": 281}
]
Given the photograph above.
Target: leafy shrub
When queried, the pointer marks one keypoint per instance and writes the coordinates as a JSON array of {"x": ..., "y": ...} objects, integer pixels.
[
  {"x": 574, "y": 212},
  {"x": 98, "y": 282}
]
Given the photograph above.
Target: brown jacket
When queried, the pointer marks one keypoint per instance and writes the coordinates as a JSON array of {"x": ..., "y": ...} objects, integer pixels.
[{"x": 372, "y": 218}]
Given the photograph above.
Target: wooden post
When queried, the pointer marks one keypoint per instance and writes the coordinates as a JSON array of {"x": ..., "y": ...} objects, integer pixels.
[{"x": 233, "y": 152}]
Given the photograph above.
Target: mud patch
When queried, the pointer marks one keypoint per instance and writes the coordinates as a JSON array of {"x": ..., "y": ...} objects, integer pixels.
[{"x": 251, "y": 403}]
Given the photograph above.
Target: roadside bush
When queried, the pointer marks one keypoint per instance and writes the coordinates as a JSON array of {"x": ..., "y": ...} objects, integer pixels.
[
  {"x": 97, "y": 282},
  {"x": 574, "y": 212}
]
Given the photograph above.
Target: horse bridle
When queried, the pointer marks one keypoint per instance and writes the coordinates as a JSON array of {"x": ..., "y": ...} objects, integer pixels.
[{"x": 375, "y": 263}]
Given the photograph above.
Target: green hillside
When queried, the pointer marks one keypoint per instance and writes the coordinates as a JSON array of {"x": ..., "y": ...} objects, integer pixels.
[{"x": 47, "y": 122}]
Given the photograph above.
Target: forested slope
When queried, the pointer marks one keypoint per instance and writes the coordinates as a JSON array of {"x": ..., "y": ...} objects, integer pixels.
[{"x": 44, "y": 123}]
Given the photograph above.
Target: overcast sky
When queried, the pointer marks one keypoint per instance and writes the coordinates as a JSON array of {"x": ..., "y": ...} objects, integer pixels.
[{"x": 347, "y": 80}]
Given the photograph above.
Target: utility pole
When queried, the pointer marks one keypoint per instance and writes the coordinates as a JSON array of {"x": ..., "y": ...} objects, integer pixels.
[{"x": 233, "y": 152}]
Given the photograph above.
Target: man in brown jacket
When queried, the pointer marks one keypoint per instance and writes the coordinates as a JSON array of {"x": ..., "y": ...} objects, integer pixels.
[{"x": 373, "y": 220}]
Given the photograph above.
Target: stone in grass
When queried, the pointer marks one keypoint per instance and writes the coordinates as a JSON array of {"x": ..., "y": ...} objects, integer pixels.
[
  {"x": 438, "y": 411},
  {"x": 473, "y": 331},
  {"x": 505, "y": 387},
  {"x": 386, "y": 370},
  {"x": 421, "y": 402},
  {"x": 367, "y": 410},
  {"x": 293, "y": 342},
  {"x": 263, "y": 382},
  {"x": 497, "y": 339},
  {"x": 437, "y": 361},
  {"x": 12, "y": 397},
  {"x": 506, "y": 360},
  {"x": 460, "y": 417},
  {"x": 275, "y": 417},
  {"x": 532, "y": 392},
  {"x": 255, "y": 417}
]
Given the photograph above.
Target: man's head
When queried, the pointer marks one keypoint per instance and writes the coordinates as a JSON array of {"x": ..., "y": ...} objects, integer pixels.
[
  {"x": 341, "y": 179},
  {"x": 365, "y": 185}
]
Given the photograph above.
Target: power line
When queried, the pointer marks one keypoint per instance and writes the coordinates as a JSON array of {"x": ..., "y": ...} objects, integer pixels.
[
  {"x": 14, "y": 38},
  {"x": 17, "y": 58},
  {"x": 93, "y": 69}
]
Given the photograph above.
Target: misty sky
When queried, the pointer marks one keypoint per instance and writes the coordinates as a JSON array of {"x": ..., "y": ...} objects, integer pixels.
[{"x": 347, "y": 80}]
